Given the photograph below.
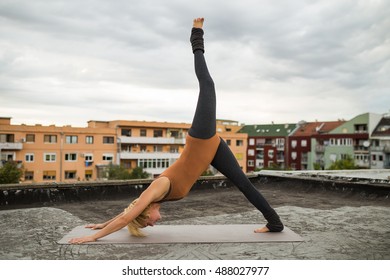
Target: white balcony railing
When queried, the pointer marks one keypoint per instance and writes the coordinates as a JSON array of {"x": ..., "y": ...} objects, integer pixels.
[
  {"x": 151, "y": 140},
  {"x": 11, "y": 146},
  {"x": 145, "y": 155}
]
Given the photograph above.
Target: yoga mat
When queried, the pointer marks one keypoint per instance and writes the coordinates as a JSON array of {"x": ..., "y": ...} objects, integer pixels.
[{"x": 161, "y": 234}]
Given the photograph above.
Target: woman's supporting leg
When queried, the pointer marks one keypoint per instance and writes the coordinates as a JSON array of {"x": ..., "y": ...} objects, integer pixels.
[
  {"x": 227, "y": 164},
  {"x": 204, "y": 122}
]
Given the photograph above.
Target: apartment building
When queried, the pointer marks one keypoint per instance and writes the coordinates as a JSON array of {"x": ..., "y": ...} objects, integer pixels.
[
  {"x": 380, "y": 144},
  {"x": 237, "y": 142},
  {"x": 351, "y": 139},
  {"x": 61, "y": 154},
  {"x": 52, "y": 153},
  {"x": 307, "y": 144},
  {"x": 156, "y": 145},
  {"x": 267, "y": 145}
]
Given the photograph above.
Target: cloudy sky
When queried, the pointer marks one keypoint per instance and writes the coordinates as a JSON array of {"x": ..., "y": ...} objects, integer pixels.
[{"x": 71, "y": 61}]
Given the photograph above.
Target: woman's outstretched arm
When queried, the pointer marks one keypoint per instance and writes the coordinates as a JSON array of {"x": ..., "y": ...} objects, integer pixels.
[
  {"x": 103, "y": 225},
  {"x": 153, "y": 193}
]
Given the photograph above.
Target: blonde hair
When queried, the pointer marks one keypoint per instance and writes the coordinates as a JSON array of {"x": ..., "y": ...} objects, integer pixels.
[{"x": 135, "y": 225}]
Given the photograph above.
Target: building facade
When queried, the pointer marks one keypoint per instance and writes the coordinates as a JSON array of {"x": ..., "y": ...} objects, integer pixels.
[
  {"x": 63, "y": 154},
  {"x": 352, "y": 139},
  {"x": 307, "y": 144},
  {"x": 51, "y": 153},
  {"x": 267, "y": 145},
  {"x": 380, "y": 144}
]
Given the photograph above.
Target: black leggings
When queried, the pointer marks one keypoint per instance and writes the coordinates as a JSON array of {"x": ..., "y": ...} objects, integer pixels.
[{"x": 204, "y": 127}]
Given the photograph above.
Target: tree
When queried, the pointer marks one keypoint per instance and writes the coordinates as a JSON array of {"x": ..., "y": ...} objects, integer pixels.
[
  {"x": 139, "y": 173},
  {"x": 342, "y": 164},
  {"x": 118, "y": 172},
  {"x": 10, "y": 173}
]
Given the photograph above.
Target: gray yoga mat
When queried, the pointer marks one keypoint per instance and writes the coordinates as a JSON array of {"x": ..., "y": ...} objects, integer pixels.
[{"x": 236, "y": 233}]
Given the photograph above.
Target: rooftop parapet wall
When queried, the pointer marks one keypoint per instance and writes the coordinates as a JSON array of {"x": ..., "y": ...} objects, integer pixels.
[{"x": 15, "y": 195}]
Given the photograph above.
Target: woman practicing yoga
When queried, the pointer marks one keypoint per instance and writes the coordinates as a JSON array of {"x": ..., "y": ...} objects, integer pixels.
[{"x": 203, "y": 147}]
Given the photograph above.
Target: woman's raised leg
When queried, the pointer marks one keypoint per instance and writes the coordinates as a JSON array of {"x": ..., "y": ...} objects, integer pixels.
[{"x": 204, "y": 122}]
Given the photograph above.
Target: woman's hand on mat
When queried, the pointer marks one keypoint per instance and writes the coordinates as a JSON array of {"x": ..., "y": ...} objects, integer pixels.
[
  {"x": 95, "y": 226},
  {"x": 81, "y": 240}
]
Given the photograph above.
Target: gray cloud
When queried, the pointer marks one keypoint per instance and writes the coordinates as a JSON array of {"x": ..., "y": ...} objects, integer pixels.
[{"x": 270, "y": 60}]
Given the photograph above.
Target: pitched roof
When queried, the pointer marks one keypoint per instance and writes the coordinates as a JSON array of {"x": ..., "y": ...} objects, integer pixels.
[
  {"x": 315, "y": 128},
  {"x": 268, "y": 130},
  {"x": 383, "y": 127}
]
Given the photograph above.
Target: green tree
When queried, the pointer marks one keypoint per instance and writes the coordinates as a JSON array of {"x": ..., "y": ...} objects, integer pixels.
[
  {"x": 342, "y": 164},
  {"x": 118, "y": 172},
  {"x": 139, "y": 173},
  {"x": 10, "y": 173}
]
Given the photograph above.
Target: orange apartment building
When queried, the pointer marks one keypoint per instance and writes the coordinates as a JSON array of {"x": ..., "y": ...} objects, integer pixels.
[{"x": 63, "y": 154}]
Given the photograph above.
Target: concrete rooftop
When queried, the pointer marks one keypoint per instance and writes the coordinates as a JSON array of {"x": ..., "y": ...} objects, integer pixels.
[{"x": 336, "y": 224}]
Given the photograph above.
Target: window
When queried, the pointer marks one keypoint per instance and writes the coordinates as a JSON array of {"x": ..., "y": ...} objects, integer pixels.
[
  {"x": 304, "y": 143},
  {"x": 29, "y": 157},
  {"x": 251, "y": 163},
  {"x": 70, "y": 174},
  {"x": 279, "y": 142},
  {"x": 126, "y": 132},
  {"x": 88, "y": 157},
  {"x": 29, "y": 175},
  {"x": 260, "y": 155},
  {"x": 153, "y": 163},
  {"x": 360, "y": 128},
  {"x": 294, "y": 155},
  {"x": 239, "y": 156},
  {"x": 260, "y": 164},
  {"x": 175, "y": 133},
  {"x": 108, "y": 140},
  {"x": 108, "y": 157},
  {"x": 88, "y": 139},
  {"x": 380, "y": 157},
  {"x": 71, "y": 157},
  {"x": 49, "y": 175},
  {"x": 7, "y": 138},
  {"x": 158, "y": 149},
  {"x": 143, "y": 132},
  {"x": 228, "y": 142},
  {"x": 49, "y": 157},
  {"x": 374, "y": 157},
  {"x": 30, "y": 138},
  {"x": 71, "y": 139},
  {"x": 174, "y": 149},
  {"x": 239, "y": 143},
  {"x": 158, "y": 133},
  {"x": 270, "y": 153},
  {"x": 251, "y": 152},
  {"x": 251, "y": 142},
  {"x": 293, "y": 144},
  {"x": 88, "y": 174},
  {"x": 50, "y": 138},
  {"x": 7, "y": 156}
]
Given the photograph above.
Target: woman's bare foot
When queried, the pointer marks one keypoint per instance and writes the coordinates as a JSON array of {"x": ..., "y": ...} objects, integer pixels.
[
  {"x": 262, "y": 230},
  {"x": 198, "y": 23}
]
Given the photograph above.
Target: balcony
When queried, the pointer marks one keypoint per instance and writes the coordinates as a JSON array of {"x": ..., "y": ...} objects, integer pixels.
[
  {"x": 152, "y": 140},
  {"x": 145, "y": 155},
  {"x": 280, "y": 147},
  {"x": 360, "y": 149},
  {"x": 320, "y": 149},
  {"x": 377, "y": 148},
  {"x": 11, "y": 146}
]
